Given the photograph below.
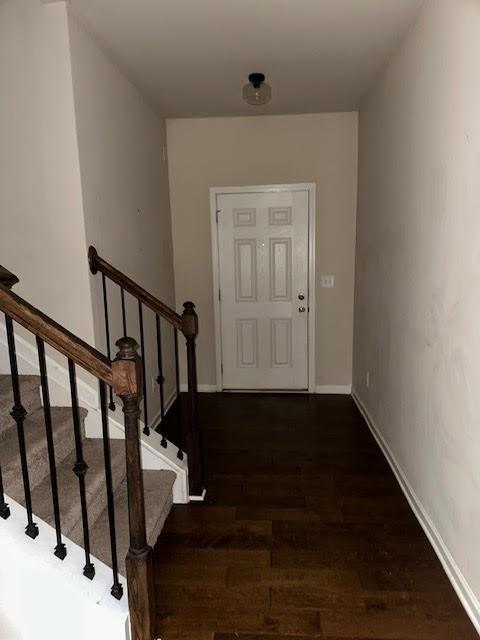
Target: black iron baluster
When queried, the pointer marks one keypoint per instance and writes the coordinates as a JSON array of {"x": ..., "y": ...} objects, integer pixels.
[
  {"x": 80, "y": 469},
  {"x": 146, "y": 428},
  {"x": 124, "y": 313},
  {"x": 19, "y": 414},
  {"x": 117, "y": 589},
  {"x": 111, "y": 405},
  {"x": 161, "y": 381},
  {"x": 60, "y": 549},
  {"x": 4, "y": 508},
  {"x": 178, "y": 399}
]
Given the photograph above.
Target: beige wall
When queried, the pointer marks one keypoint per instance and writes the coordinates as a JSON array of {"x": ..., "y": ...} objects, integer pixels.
[
  {"x": 82, "y": 162},
  {"x": 320, "y": 148},
  {"x": 42, "y": 235},
  {"x": 122, "y": 150},
  {"x": 418, "y": 273}
]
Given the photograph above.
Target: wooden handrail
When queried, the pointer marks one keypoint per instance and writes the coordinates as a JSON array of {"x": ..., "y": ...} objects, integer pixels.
[
  {"x": 187, "y": 323},
  {"x": 55, "y": 335},
  {"x": 99, "y": 264}
]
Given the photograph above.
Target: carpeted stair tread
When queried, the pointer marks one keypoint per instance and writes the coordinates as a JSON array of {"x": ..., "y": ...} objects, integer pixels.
[
  {"x": 36, "y": 444},
  {"x": 30, "y": 396},
  {"x": 158, "y": 502},
  {"x": 70, "y": 509}
]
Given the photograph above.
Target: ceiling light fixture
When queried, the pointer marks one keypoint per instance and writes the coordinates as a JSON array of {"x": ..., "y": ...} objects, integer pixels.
[{"x": 257, "y": 91}]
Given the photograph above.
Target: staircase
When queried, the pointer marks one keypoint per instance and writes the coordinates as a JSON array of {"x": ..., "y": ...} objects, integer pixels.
[
  {"x": 92, "y": 493},
  {"x": 157, "y": 484}
]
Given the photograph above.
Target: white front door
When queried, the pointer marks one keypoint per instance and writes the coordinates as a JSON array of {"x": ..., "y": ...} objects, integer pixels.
[{"x": 264, "y": 296}]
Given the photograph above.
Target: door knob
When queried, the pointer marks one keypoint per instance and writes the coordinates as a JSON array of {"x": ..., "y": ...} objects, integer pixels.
[
  {"x": 301, "y": 309},
  {"x": 301, "y": 296}
]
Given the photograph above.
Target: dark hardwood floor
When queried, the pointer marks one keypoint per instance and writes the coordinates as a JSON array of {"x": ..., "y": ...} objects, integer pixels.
[{"x": 305, "y": 533}]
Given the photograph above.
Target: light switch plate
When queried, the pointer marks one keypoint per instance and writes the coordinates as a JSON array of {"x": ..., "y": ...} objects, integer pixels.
[{"x": 327, "y": 282}]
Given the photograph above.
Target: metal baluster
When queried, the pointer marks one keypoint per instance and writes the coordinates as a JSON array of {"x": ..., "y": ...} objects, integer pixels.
[
  {"x": 60, "y": 549},
  {"x": 111, "y": 405},
  {"x": 124, "y": 313},
  {"x": 179, "y": 400},
  {"x": 161, "y": 382},
  {"x": 80, "y": 469},
  {"x": 146, "y": 428},
  {"x": 4, "y": 508},
  {"x": 117, "y": 589},
  {"x": 19, "y": 414}
]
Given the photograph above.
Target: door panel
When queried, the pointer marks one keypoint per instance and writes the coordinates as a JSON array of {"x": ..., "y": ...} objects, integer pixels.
[
  {"x": 245, "y": 252},
  {"x": 263, "y": 264}
]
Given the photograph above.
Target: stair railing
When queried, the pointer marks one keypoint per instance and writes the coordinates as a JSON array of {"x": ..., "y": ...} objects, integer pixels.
[
  {"x": 124, "y": 376},
  {"x": 187, "y": 324}
]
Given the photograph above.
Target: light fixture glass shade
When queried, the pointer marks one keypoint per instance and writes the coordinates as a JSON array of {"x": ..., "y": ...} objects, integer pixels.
[{"x": 257, "y": 95}]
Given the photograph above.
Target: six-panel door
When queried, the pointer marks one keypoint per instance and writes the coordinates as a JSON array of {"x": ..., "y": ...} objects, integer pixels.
[{"x": 263, "y": 265}]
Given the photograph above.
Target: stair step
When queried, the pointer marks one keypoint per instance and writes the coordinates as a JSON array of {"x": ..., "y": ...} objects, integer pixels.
[
  {"x": 70, "y": 509},
  {"x": 36, "y": 444},
  {"x": 158, "y": 502},
  {"x": 29, "y": 392}
]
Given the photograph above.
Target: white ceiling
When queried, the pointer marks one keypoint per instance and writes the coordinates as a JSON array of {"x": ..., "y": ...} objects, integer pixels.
[{"x": 191, "y": 57}]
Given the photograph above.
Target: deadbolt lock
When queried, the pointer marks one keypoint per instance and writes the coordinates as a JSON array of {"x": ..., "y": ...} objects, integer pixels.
[{"x": 301, "y": 296}]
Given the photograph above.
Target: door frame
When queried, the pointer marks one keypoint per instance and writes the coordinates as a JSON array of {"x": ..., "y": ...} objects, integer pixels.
[{"x": 310, "y": 188}]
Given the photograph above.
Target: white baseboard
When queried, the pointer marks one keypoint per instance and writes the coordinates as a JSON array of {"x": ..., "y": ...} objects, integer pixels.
[
  {"x": 200, "y": 498},
  {"x": 334, "y": 389},
  {"x": 202, "y": 388},
  {"x": 466, "y": 595}
]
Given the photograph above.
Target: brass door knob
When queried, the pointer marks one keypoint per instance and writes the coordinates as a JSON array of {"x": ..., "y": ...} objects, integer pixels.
[{"x": 301, "y": 309}]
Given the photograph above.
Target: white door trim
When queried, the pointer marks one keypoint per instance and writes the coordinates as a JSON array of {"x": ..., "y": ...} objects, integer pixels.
[{"x": 310, "y": 187}]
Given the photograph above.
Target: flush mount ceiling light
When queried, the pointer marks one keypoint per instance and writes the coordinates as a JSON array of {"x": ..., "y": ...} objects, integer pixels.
[{"x": 257, "y": 91}]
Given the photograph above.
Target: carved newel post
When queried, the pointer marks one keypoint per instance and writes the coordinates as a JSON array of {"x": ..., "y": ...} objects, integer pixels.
[
  {"x": 194, "y": 437},
  {"x": 127, "y": 383}
]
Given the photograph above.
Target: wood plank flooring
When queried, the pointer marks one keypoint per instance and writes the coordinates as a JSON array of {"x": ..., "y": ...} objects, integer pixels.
[{"x": 305, "y": 533}]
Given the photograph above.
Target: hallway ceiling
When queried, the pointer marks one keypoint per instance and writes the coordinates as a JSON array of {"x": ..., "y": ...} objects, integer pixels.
[{"x": 191, "y": 57}]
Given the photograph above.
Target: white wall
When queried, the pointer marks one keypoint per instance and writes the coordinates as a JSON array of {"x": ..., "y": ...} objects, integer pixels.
[
  {"x": 42, "y": 237},
  {"x": 418, "y": 271},
  {"x": 125, "y": 194},
  {"x": 320, "y": 148}
]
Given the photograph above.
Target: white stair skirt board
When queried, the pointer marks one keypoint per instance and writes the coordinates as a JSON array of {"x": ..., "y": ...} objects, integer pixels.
[
  {"x": 199, "y": 498},
  {"x": 154, "y": 456},
  {"x": 62, "y": 602},
  {"x": 459, "y": 583}
]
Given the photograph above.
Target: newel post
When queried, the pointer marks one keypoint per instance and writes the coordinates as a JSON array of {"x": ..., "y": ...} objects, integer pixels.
[
  {"x": 127, "y": 383},
  {"x": 194, "y": 437}
]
